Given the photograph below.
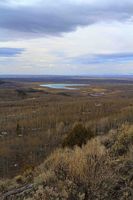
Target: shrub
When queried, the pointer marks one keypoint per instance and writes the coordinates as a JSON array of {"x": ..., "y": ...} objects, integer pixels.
[
  {"x": 78, "y": 136},
  {"x": 21, "y": 93},
  {"x": 123, "y": 141},
  {"x": 75, "y": 174},
  {"x": 19, "y": 179}
]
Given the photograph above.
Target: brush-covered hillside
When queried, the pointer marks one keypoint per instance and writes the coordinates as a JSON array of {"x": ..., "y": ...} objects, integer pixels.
[{"x": 100, "y": 168}]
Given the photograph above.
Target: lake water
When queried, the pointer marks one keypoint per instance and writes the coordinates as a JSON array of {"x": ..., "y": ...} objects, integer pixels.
[{"x": 67, "y": 86}]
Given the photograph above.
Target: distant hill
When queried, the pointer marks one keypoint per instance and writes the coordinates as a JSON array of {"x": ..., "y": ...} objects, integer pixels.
[{"x": 2, "y": 82}]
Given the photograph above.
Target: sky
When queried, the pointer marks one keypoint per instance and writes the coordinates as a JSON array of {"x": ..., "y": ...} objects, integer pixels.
[{"x": 66, "y": 37}]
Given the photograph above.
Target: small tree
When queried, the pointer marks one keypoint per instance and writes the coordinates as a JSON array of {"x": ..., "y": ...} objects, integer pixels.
[
  {"x": 18, "y": 129},
  {"x": 21, "y": 93}
]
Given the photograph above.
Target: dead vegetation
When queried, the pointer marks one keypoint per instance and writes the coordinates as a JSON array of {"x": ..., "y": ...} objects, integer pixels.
[
  {"x": 94, "y": 171},
  {"x": 85, "y": 146}
]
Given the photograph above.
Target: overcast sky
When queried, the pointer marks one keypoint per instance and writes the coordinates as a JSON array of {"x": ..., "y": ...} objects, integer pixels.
[{"x": 69, "y": 37}]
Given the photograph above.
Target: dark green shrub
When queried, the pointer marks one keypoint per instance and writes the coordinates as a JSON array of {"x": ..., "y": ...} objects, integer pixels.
[{"x": 77, "y": 136}]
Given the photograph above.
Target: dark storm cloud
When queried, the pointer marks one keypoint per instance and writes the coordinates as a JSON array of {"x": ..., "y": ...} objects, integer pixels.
[
  {"x": 50, "y": 18},
  {"x": 10, "y": 52},
  {"x": 102, "y": 58}
]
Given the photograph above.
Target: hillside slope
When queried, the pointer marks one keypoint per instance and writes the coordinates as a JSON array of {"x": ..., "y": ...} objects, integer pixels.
[{"x": 101, "y": 169}]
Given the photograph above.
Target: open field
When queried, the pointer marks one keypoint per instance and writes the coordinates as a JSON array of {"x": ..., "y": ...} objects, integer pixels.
[
  {"x": 66, "y": 144},
  {"x": 34, "y": 120}
]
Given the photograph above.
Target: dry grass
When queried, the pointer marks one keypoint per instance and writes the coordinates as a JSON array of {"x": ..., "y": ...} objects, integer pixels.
[
  {"x": 76, "y": 173},
  {"x": 94, "y": 171},
  {"x": 90, "y": 172}
]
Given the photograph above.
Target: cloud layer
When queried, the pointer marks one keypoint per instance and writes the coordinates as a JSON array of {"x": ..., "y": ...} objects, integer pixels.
[
  {"x": 66, "y": 36},
  {"x": 103, "y": 58},
  {"x": 10, "y": 52},
  {"x": 57, "y": 17}
]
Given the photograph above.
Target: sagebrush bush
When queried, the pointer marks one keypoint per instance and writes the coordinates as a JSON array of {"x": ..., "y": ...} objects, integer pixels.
[
  {"x": 123, "y": 140},
  {"x": 74, "y": 173}
]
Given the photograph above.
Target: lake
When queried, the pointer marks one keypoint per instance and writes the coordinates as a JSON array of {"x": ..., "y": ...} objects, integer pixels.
[{"x": 67, "y": 86}]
